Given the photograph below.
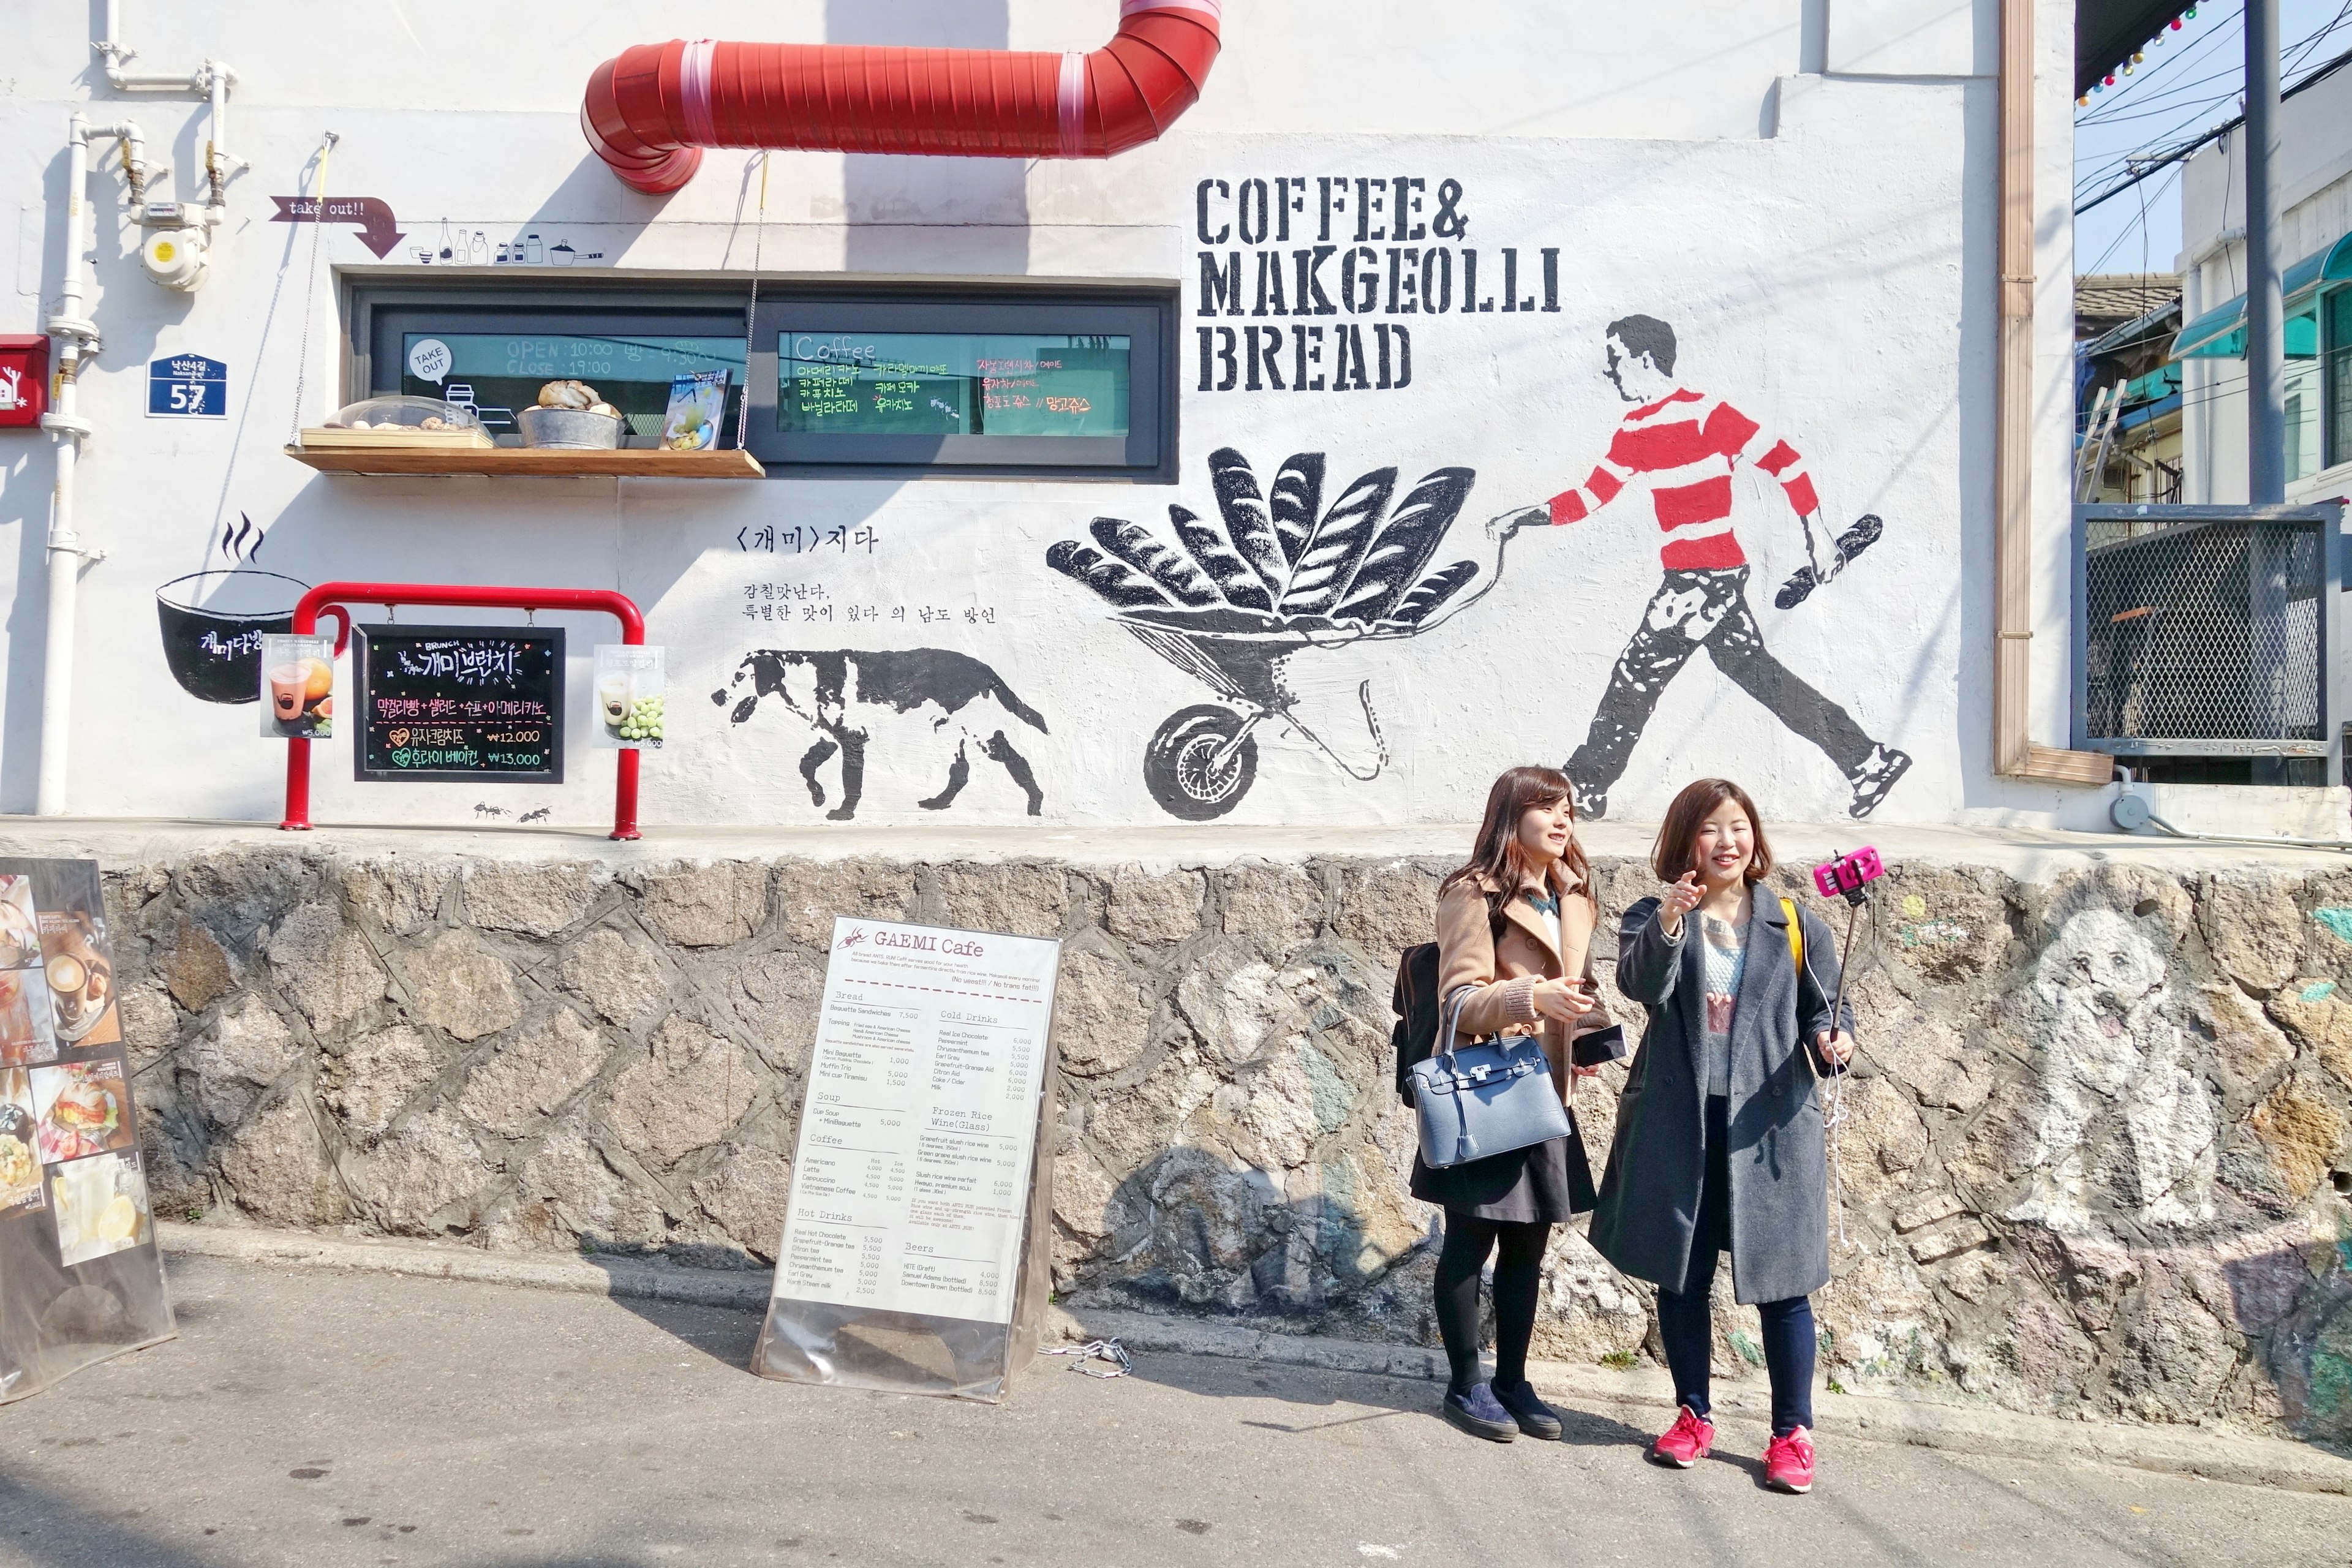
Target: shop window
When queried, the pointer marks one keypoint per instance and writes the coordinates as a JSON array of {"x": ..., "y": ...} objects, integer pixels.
[
  {"x": 989, "y": 384},
  {"x": 1072, "y": 383}
]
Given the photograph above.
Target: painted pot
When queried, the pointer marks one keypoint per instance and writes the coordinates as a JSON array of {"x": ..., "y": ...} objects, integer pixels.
[
  {"x": 568, "y": 429},
  {"x": 212, "y": 625}
]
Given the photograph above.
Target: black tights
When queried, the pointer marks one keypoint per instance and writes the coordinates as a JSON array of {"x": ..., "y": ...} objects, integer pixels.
[{"x": 1518, "y": 1282}]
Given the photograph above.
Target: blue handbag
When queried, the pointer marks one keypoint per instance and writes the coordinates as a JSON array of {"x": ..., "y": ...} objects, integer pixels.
[{"x": 1488, "y": 1097}]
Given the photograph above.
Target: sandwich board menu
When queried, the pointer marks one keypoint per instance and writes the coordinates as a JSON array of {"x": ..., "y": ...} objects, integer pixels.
[
  {"x": 80, "y": 1278},
  {"x": 912, "y": 1183},
  {"x": 459, "y": 702}
]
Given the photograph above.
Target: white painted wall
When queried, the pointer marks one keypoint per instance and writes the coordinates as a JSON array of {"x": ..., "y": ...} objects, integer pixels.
[{"x": 1822, "y": 243}]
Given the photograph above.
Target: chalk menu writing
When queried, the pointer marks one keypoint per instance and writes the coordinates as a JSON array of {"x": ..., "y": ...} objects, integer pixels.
[
  {"x": 460, "y": 702},
  {"x": 952, "y": 384},
  {"x": 910, "y": 1187}
]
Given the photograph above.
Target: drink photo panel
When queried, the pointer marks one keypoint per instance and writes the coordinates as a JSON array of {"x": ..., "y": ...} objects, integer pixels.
[
  {"x": 298, "y": 687},
  {"x": 632, "y": 695}
]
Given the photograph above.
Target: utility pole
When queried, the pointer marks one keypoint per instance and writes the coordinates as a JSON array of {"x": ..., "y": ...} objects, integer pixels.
[{"x": 2266, "y": 311}]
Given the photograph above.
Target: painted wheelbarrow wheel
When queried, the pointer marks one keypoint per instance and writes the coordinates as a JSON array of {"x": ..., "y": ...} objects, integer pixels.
[{"x": 1183, "y": 769}]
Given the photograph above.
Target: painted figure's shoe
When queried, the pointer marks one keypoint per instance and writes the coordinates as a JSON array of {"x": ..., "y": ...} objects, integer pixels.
[
  {"x": 1690, "y": 1439},
  {"x": 1875, "y": 777},
  {"x": 1479, "y": 1414},
  {"x": 1591, "y": 804},
  {"x": 1536, "y": 1418},
  {"x": 1789, "y": 1462}
]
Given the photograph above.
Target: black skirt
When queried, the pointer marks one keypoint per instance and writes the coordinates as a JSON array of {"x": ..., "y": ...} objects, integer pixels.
[{"x": 1544, "y": 1183}]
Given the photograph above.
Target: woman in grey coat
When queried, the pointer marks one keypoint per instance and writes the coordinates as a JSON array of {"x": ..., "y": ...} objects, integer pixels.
[{"x": 1719, "y": 1143}]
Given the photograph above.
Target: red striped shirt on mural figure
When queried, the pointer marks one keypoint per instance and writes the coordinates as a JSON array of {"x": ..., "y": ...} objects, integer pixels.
[{"x": 1682, "y": 447}]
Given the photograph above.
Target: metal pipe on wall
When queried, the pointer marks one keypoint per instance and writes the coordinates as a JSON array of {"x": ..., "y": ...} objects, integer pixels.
[
  {"x": 78, "y": 339},
  {"x": 2265, "y": 307},
  {"x": 2014, "y": 755}
]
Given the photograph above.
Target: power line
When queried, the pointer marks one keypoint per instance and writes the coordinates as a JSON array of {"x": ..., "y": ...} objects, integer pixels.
[{"x": 2176, "y": 154}]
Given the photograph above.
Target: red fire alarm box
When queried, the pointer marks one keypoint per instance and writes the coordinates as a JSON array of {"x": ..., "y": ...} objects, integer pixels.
[{"x": 24, "y": 379}]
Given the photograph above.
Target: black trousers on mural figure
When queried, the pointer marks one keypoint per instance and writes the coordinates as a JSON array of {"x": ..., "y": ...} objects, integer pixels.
[
  {"x": 1519, "y": 1247},
  {"x": 1687, "y": 1326},
  {"x": 1690, "y": 611}
]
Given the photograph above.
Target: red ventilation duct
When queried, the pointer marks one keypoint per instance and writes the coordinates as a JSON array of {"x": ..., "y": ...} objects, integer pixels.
[{"x": 650, "y": 112}]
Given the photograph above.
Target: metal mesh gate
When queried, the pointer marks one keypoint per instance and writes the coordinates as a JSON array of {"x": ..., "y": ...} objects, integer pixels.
[{"x": 2203, "y": 634}]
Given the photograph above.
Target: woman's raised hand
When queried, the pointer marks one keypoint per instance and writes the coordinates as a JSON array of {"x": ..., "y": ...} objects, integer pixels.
[
  {"x": 1680, "y": 898},
  {"x": 1562, "y": 1001}
]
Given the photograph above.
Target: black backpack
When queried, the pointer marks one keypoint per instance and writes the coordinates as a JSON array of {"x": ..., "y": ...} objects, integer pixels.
[{"x": 1415, "y": 1002}]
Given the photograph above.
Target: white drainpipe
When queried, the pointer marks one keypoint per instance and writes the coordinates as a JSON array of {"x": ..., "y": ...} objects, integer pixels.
[{"x": 78, "y": 340}]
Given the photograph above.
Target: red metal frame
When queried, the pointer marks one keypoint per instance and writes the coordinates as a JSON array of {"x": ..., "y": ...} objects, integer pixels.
[{"x": 328, "y": 598}]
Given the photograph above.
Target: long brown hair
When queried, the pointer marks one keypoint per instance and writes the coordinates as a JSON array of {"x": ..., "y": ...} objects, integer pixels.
[
  {"x": 1676, "y": 850},
  {"x": 1496, "y": 854}
]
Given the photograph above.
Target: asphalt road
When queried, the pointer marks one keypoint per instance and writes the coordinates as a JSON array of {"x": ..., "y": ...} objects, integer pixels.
[{"x": 332, "y": 1419}]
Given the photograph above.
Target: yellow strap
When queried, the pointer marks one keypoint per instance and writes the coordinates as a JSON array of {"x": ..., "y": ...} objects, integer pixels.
[{"x": 1796, "y": 931}]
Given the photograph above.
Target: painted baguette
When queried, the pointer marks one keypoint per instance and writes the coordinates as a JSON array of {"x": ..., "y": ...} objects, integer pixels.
[
  {"x": 1246, "y": 523},
  {"x": 1214, "y": 554},
  {"x": 1133, "y": 543},
  {"x": 1433, "y": 590},
  {"x": 1296, "y": 503},
  {"x": 1114, "y": 580},
  {"x": 1328, "y": 562},
  {"x": 1401, "y": 551}
]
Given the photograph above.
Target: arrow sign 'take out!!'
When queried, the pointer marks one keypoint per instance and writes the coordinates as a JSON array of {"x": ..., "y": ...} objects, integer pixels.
[{"x": 371, "y": 213}]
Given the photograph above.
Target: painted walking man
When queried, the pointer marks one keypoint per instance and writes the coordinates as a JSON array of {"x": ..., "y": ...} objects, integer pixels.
[{"x": 1681, "y": 447}]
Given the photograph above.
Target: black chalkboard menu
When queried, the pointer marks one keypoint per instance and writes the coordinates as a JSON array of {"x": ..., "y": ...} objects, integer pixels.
[{"x": 481, "y": 703}]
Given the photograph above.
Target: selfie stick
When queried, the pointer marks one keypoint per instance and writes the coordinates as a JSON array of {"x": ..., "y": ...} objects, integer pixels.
[{"x": 1848, "y": 877}]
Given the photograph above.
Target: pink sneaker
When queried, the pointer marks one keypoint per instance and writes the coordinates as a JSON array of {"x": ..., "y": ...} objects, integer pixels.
[
  {"x": 1686, "y": 1442},
  {"x": 1789, "y": 1462}
]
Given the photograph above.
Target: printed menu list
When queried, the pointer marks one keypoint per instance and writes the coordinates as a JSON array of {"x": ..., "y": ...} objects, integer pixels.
[{"x": 910, "y": 1186}]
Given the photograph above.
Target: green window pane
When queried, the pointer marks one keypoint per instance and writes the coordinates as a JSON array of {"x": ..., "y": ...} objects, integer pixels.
[
  {"x": 831, "y": 382},
  {"x": 498, "y": 372}
]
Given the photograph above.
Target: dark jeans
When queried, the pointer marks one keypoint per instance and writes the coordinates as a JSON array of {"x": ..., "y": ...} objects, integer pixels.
[
  {"x": 1686, "y": 1326},
  {"x": 1690, "y": 611},
  {"x": 1518, "y": 1284}
]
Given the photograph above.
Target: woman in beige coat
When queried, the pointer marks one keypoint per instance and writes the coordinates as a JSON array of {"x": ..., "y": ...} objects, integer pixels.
[{"x": 1515, "y": 931}]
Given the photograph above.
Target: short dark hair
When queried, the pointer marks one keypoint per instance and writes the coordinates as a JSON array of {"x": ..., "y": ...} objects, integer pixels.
[
  {"x": 1676, "y": 850},
  {"x": 1649, "y": 335}
]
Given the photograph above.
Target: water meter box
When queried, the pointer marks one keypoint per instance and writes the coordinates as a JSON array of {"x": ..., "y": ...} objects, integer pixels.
[{"x": 24, "y": 379}]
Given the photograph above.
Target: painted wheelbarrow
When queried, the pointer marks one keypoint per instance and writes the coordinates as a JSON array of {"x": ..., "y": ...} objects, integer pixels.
[{"x": 1230, "y": 604}]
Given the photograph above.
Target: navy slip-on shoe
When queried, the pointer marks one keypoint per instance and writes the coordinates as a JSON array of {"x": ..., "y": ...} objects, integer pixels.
[
  {"x": 1536, "y": 1418},
  {"x": 1478, "y": 1414}
]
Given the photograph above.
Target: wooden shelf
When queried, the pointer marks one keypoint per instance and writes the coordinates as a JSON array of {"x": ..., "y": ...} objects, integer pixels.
[{"x": 541, "y": 462}]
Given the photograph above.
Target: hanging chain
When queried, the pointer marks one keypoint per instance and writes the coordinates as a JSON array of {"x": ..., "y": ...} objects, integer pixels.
[
  {"x": 752, "y": 312},
  {"x": 311, "y": 292}
]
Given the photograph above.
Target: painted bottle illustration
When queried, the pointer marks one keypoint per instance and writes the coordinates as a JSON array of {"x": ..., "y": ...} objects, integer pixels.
[{"x": 533, "y": 253}]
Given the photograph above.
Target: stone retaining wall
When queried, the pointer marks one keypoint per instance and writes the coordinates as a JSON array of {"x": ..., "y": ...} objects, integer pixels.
[{"x": 2090, "y": 1163}]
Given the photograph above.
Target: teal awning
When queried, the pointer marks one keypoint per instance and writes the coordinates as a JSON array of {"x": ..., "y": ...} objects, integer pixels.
[{"x": 2222, "y": 334}]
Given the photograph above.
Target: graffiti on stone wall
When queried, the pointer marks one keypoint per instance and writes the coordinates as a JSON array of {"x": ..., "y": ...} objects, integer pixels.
[
  {"x": 1229, "y": 602},
  {"x": 2123, "y": 1114},
  {"x": 839, "y": 693},
  {"x": 1682, "y": 446}
]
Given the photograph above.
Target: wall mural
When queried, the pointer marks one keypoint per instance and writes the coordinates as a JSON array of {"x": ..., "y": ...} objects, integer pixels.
[
  {"x": 1681, "y": 447},
  {"x": 1230, "y": 604},
  {"x": 838, "y": 693}
]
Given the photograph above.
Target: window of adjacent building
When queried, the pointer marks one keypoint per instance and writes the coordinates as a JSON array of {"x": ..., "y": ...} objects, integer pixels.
[
  {"x": 1070, "y": 381},
  {"x": 2302, "y": 394},
  {"x": 2336, "y": 382}
]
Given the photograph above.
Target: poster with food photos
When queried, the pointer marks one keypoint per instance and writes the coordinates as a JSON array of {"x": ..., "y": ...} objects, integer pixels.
[{"x": 75, "y": 1215}]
